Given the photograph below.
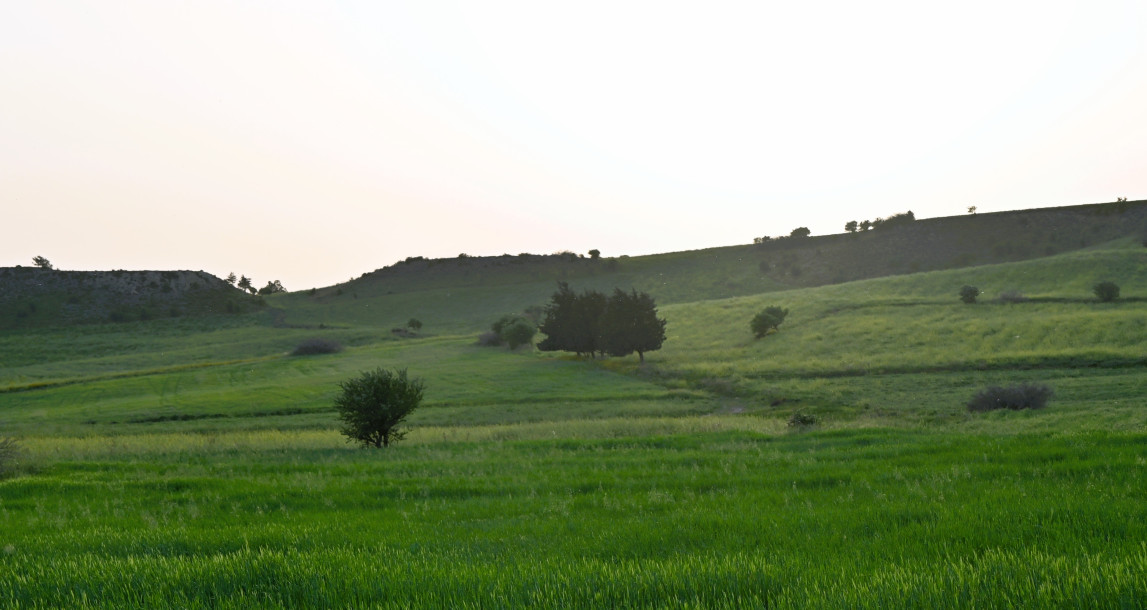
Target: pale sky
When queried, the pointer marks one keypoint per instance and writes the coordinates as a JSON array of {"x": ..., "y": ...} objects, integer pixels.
[{"x": 313, "y": 141}]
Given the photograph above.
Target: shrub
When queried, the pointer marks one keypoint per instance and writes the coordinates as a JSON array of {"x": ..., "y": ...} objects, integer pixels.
[
  {"x": 512, "y": 330},
  {"x": 767, "y": 319},
  {"x": 895, "y": 220},
  {"x": 1012, "y": 296},
  {"x": 9, "y": 451},
  {"x": 489, "y": 339},
  {"x": 968, "y": 294},
  {"x": 1014, "y": 397},
  {"x": 374, "y": 404},
  {"x": 1106, "y": 291},
  {"x": 414, "y": 324},
  {"x": 311, "y": 347},
  {"x": 518, "y": 333},
  {"x": 800, "y": 420}
]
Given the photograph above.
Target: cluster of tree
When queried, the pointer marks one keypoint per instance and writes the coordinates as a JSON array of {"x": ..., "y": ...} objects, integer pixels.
[
  {"x": 895, "y": 220},
  {"x": 592, "y": 323},
  {"x": 797, "y": 233},
  {"x": 245, "y": 283}
]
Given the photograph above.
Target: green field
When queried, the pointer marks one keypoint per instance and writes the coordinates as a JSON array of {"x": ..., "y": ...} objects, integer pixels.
[{"x": 194, "y": 463}]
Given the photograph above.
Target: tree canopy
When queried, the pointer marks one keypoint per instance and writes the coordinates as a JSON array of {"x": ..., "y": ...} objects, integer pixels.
[
  {"x": 373, "y": 405},
  {"x": 591, "y": 323}
]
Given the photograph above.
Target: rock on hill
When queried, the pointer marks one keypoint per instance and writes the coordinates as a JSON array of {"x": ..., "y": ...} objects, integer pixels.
[{"x": 30, "y": 296}]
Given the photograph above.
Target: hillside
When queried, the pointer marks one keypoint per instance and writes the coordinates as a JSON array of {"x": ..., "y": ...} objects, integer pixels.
[
  {"x": 450, "y": 295},
  {"x": 34, "y": 297},
  {"x": 454, "y": 294}
]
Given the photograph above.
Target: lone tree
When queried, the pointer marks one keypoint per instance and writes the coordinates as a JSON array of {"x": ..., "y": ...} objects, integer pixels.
[
  {"x": 767, "y": 319},
  {"x": 1106, "y": 291},
  {"x": 594, "y": 254},
  {"x": 414, "y": 324},
  {"x": 42, "y": 262},
  {"x": 372, "y": 405},
  {"x": 800, "y": 232},
  {"x": 968, "y": 294}
]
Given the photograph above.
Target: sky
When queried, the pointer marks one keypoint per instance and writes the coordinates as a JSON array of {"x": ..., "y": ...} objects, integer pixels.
[{"x": 311, "y": 142}]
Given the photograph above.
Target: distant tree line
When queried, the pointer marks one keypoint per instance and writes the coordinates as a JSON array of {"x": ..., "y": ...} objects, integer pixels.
[
  {"x": 895, "y": 220},
  {"x": 591, "y": 323},
  {"x": 245, "y": 283}
]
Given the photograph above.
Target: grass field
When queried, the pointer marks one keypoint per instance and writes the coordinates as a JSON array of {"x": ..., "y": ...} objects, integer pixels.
[{"x": 194, "y": 463}]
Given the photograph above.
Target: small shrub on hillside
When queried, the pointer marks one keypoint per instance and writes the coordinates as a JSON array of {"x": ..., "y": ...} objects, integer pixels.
[
  {"x": 311, "y": 347},
  {"x": 968, "y": 294},
  {"x": 511, "y": 330},
  {"x": 414, "y": 324},
  {"x": 1106, "y": 291},
  {"x": 767, "y": 319},
  {"x": 518, "y": 333},
  {"x": 489, "y": 339},
  {"x": 801, "y": 420},
  {"x": 9, "y": 451},
  {"x": 1014, "y": 397},
  {"x": 1012, "y": 296}
]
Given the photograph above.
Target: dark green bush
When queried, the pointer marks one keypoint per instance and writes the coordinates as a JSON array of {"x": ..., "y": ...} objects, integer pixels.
[
  {"x": 489, "y": 339},
  {"x": 373, "y": 405},
  {"x": 518, "y": 333},
  {"x": 800, "y": 420},
  {"x": 311, "y": 347},
  {"x": 968, "y": 294},
  {"x": 1106, "y": 291},
  {"x": 1012, "y": 296},
  {"x": 1014, "y": 397},
  {"x": 769, "y": 318},
  {"x": 512, "y": 330}
]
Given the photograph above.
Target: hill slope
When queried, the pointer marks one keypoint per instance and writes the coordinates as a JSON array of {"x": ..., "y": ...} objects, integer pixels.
[
  {"x": 31, "y": 297},
  {"x": 451, "y": 295}
]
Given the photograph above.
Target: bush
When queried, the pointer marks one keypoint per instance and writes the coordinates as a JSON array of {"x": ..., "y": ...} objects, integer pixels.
[
  {"x": 373, "y": 405},
  {"x": 511, "y": 330},
  {"x": 1106, "y": 291},
  {"x": 489, "y": 339},
  {"x": 968, "y": 294},
  {"x": 1012, "y": 296},
  {"x": 801, "y": 420},
  {"x": 518, "y": 333},
  {"x": 769, "y": 318},
  {"x": 414, "y": 324},
  {"x": 9, "y": 451},
  {"x": 1015, "y": 397},
  {"x": 311, "y": 347}
]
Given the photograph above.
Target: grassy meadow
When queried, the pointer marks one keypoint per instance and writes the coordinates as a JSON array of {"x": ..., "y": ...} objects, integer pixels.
[{"x": 194, "y": 463}]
